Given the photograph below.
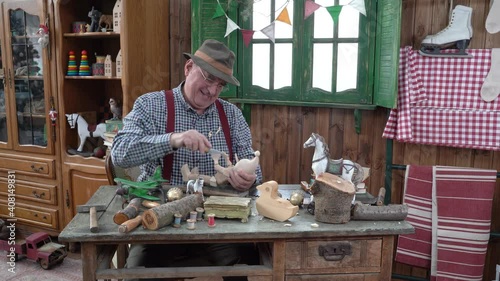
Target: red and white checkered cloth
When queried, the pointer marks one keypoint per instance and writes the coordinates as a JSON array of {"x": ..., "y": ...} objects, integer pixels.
[{"x": 439, "y": 102}]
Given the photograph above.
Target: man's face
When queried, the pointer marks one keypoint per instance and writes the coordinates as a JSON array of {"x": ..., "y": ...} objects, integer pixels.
[{"x": 201, "y": 88}]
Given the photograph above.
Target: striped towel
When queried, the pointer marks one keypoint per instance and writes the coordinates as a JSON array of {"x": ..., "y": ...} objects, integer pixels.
[
  {"x": 461, "y": 220},
  {"x": 415, "y": 249},
  {"x": 452, "y": 230}
]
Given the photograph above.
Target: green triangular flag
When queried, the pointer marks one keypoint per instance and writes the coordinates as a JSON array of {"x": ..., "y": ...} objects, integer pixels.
[
  {"x": 219, "y": 12},
  {"x": 334, "y": 12}
]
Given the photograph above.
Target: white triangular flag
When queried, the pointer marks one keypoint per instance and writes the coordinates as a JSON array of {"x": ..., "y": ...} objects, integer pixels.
[
  {"x": 231, "y": 26},
  {"x": 358, "y": 5},
  {"x": 269, "y": 31}
]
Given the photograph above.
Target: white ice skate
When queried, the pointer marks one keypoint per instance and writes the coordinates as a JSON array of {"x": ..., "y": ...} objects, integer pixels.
[{"x": 457, "y": 34}]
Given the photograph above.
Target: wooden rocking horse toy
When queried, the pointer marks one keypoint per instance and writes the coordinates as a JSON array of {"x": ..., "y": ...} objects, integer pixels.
[
  {"x": 84, "y": 129},
  {"x": 321, "y": 162}
]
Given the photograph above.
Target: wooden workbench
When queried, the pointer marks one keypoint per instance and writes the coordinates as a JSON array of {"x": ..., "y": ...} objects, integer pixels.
[{"x": 294, "y": 250}]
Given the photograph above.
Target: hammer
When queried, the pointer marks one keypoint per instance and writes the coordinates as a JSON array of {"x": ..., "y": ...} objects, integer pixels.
[{"x": 92, "y": 209}]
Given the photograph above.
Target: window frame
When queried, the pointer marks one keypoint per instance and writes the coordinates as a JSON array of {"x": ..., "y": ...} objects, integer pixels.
[{"x": 380, "y": 84}]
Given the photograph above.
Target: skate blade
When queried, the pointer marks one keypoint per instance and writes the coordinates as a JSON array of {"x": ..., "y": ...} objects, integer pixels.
[{"x": 446, "y": 55}]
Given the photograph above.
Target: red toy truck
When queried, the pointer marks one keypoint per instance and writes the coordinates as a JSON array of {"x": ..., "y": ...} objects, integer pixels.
[{"x": 36, "y": 247}]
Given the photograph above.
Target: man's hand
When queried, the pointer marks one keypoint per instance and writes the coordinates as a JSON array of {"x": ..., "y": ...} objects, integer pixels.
[
  {"x": 241, "y": 180},
  {"x": 192, "y": 140}
]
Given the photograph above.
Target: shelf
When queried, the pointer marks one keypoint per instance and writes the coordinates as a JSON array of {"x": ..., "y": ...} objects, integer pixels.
[
  {"x": 26, "y": 77},
  {"x": 33, "y": 115},
  {"x": 92, "y": 78},
  {"x": 95, "y": 35}
]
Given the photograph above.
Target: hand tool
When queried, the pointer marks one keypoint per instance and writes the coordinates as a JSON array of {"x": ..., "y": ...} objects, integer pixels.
[
  {"x": 92, "y": 210},
  {"x": 130, "y": 224}
]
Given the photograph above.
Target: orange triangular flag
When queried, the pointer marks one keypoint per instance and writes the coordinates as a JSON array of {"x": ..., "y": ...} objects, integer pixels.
[
  {"x": 284, "y": 16},
  {"x": 247, "y": 36}
]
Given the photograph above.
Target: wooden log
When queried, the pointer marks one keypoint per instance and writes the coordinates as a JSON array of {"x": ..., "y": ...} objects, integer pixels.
[
  {"x": 129, "y": 212},
  {"x": 333, "y": 198},
  {"x": 394, "y": 212},
  {"x": 163, "y": 215},
  {"x": 130, "y": 224},
  {"x": 150, "y": 204}
]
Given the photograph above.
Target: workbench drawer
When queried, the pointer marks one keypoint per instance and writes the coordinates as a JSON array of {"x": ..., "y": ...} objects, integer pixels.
[
  {"x": 36, "y": 192},
  {"x": 334, "y": 256},
  {"x": 40, "y": 167},
  {"x": 30, "y": 214}
]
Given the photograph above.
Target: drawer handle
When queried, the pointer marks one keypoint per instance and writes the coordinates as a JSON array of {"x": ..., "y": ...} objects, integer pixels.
[
  {"x": 38, "y": 196},
  {"x": 35, "y": 169},
  {"x": 334, "y": 251}
]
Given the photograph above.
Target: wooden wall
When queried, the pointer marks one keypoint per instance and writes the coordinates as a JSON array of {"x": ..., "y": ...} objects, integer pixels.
[{"x": 280, "y": 131}]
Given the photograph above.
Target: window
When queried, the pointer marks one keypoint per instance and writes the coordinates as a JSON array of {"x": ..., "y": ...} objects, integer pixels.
[{"x": 350, "y": 62}]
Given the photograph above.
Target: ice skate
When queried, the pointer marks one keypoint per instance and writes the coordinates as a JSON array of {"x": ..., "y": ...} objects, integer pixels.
[{"x": 457, "y": 34}]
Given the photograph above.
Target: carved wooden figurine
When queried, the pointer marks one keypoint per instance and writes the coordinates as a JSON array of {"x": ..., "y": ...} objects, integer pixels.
[{"x": 270, "y": 205}]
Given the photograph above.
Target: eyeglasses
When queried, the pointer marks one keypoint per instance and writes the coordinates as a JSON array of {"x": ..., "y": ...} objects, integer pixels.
[{"x": 210, "y": 80}]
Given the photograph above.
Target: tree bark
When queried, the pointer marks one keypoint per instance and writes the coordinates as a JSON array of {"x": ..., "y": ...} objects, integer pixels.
[
  {"x": 129, "y": 212},
  {"x": 163, "y": 215},
  {"x": 396, "y": 212}
]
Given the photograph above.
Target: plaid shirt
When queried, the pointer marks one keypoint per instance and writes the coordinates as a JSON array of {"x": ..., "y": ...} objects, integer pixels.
[{"x": 143, "y": 140}]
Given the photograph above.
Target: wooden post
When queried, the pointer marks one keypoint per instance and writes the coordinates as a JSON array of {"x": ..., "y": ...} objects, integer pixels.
[{"x": 163, "y": 215}]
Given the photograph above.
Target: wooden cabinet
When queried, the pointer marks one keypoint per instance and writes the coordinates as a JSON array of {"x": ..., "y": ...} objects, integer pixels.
[
  {"x": 28, "y": 139},
  {"x": 144, "y": 43}
]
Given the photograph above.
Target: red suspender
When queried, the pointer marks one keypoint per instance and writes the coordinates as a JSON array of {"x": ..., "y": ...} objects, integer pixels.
[
  {"x": 168, "y": 160},
  {"x": 225, "y": 128}
]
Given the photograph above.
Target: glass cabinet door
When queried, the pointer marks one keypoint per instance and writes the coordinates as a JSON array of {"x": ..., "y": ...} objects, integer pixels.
[
  {"x": 28, "y": 67},
  {"x": 4, "y": 134}
]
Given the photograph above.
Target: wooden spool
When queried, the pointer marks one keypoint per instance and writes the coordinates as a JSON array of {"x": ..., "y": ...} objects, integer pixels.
[
  {"x": 163, "y": 215},
  {"x": 333, "y": 198},
  {"x": 129, "y": 212}
]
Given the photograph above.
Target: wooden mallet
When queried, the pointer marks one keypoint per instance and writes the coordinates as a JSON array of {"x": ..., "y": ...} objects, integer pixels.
[{"x": 92, "y": 210}]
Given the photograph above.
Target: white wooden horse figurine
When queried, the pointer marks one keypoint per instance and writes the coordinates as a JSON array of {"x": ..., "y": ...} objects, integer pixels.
[
  {"x": 348, "y": 170},
  {"x": 76, "y": 120},
  {"x": 321, "y": 153}
]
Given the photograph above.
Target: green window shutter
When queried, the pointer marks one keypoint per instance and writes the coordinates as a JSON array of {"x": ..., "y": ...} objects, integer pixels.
[
  {"x": 204, "y": 27},
  {"x": 387, "y": 53}
]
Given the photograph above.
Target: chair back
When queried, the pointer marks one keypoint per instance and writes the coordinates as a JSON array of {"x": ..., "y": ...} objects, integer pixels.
[{"x": 113, "y": 172}]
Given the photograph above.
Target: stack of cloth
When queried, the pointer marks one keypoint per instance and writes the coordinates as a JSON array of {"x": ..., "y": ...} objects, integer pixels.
[
  {"x": 450, "y": 208},
  {"x": 439, "y": 102}
]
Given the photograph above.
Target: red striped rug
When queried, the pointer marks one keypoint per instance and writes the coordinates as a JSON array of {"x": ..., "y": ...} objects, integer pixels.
[{"x": 451, "y": 235}]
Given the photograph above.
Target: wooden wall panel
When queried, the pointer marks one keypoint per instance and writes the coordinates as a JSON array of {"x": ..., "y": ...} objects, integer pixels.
[{"x": 279, "y": 132}]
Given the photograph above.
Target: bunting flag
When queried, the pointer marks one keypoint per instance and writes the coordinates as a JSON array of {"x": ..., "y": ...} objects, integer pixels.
[
  {"x": 269, "y": 31},
  {"x": 219, "y": 12},
  {"x": 231, "y": 26},
  {"x": 310, "y": 8},
  {"x": 334, "y": 12},
  {"x": 358, "y": 5},
  {"x": 247, "y": 36},
  {"x": 283, "y": 16}
]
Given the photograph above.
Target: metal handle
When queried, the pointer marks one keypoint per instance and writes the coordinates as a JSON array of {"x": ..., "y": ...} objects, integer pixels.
[
  {"x": 38, "y": 196},
  {"x": 35, "y": 169},
  {"x": 335, "y": 251}
]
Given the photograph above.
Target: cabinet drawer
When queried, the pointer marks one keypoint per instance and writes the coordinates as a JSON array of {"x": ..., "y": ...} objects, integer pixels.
[
  {"x": 36, "y": 192},
  {"x": 30, "y": 214},
  {"x": 28, "y": 165},
  {"x": 320, "y": 257}
]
